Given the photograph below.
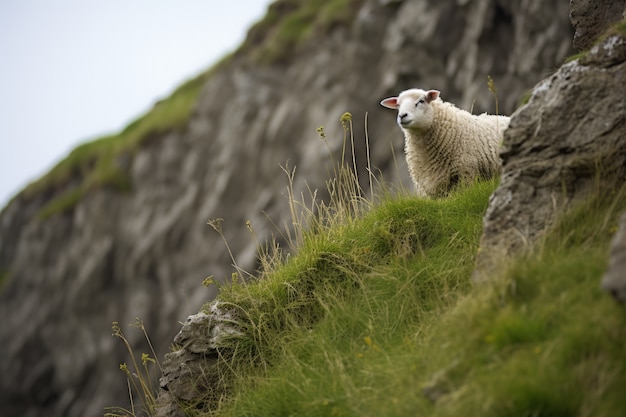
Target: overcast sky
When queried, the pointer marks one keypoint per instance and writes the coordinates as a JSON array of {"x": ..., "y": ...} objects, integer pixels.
[{"x": 74, "y": 70}]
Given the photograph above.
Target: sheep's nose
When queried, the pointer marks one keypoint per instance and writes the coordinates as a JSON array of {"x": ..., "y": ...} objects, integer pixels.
[{"x": 401, "y": 117}]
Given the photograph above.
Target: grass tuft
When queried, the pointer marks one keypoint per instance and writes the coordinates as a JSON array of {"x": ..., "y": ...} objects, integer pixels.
[{"x": 141, "y": 381}]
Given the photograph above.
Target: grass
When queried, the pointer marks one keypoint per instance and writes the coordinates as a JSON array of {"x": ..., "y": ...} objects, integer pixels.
[
  {"x": 374, "y": 314},
  {"x": 364, "y": 285},
  {"x": 349, "y": 299},
  {"x": 140, "y": 379},
  {"x": 5, "y": 275},
  {"x": 618, "y": 28},
  {"x": 544, "y": 340},
  {"x": 288, "y": 24},
  {"x": 105, "y": 162},
  {"x": 377, "y": 317}
]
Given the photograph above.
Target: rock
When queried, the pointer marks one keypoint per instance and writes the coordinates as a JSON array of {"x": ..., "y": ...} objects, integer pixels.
[
  {"x": 190, "y": 375},
  {"x": 203, "y": 332},
  {"x": 592, "y": 17},
  {"x": 614, "y": 280},
  {"x": 568, "y": 141},
  {"x": 117, "y": 256}
]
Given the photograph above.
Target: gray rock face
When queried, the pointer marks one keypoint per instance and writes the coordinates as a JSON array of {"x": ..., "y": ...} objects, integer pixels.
[
  {"x": 568, "y": 140},
  {"x": 614, "y": 280},
  {"x": 592, "y": 17},
  {"x": 117, "y": 256}
]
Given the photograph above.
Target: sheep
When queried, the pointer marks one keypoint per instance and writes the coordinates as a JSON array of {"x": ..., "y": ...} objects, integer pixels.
[{"x": 445, "y": 145}]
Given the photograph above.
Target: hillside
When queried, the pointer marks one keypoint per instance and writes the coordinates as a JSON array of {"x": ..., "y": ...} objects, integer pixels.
[
  {"x": 119, "y": 229},
  {"x": 375, "y": 315},
  {"x": 487, "y": 302}
]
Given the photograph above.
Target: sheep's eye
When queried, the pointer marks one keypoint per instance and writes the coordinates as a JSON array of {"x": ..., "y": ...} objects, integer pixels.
[{"x": 421, "y": 101}]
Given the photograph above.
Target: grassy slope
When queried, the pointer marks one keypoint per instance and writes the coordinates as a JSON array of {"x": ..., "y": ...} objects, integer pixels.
[
  {"x": 288, "y": 24},
  {"x": 103, "y": 162},
  {"x": 377, "y": 316}
]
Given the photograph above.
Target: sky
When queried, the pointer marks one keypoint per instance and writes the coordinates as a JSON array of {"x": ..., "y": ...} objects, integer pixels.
[{"x": 74, "y": 70}]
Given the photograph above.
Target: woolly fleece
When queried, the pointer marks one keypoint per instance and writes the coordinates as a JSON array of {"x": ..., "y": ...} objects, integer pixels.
[{"x": 446, "y": 145}]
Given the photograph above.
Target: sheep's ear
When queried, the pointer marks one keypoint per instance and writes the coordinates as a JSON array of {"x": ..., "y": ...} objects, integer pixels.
[
  {"x": 432, "y": 95},
  {"x": 390, "y": 103}
]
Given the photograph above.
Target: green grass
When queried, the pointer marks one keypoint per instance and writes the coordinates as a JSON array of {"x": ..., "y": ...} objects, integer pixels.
[
  {"x": 5, "y": 275},
  {"x": 139, "y": 378},
  {"x": 377, "y": 316},
  {"x": 374, "y": 313},
  {"x": 288, "y": 24},
  {"x": 367, "y": 297},
  {"x": 618, "y": 28},
  {"x": 105, "y": 162}
]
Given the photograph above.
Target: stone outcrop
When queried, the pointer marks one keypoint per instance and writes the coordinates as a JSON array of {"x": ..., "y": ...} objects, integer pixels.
[
  {"x": 117, "y": 256},
  {"x": 569, "y": 140},
  {"x": 190, "y": 374},
  {"x": 592, "y": 17}
]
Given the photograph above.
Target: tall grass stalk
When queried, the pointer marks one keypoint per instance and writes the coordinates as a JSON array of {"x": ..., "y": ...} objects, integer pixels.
[
  {"x": 142, "y": 388},
  {"x": 346, "y": 200},
  {"x": 491, "y": 84}
]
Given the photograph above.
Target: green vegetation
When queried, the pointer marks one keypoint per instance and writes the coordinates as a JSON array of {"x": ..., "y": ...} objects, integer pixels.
[
  {"x": 289, "y": 23},
  {"x": 104, "y": 162},
  {"x": 377, "y": 317},
  {"x": 140, "y": 379},
  {"x": 61, "y": 204},
  {"x": 5, "y": 275},
  {"x": 375, "y": 314},
  {"x": 323, "y": 324},
  {"x": 524, "y": 98},
  {"x": 576, "y": 56},
  {"x": 618, "y": 28}
]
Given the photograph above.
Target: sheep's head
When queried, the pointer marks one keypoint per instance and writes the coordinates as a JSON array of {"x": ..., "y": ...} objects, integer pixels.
[{"x": 414, "y": 108}]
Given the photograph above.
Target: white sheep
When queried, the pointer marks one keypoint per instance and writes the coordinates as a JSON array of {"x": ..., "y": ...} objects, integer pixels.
[{"x": 446, "y": 145}]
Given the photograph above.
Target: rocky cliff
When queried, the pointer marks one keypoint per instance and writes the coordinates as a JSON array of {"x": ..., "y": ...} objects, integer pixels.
[
  {"x": 113, "y": 256},
  {"x": 566, "y": 142}
]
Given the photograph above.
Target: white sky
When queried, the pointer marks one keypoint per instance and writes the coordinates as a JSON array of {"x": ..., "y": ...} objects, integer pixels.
[{"x": 74, "y": 70}]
